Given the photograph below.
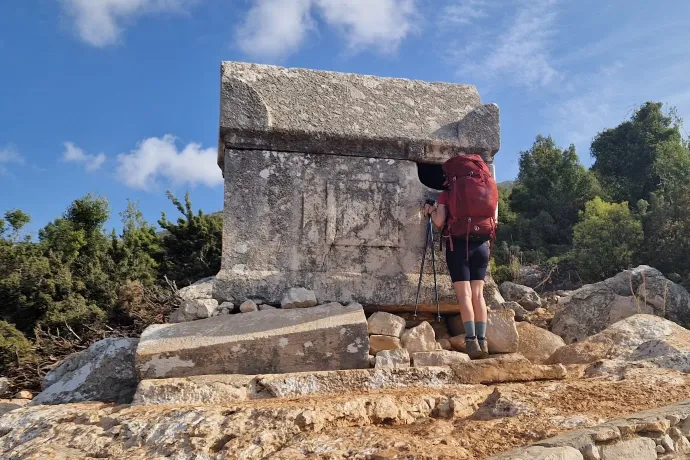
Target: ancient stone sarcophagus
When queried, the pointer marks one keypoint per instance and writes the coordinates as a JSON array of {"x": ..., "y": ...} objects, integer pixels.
[{"x": 325, "y": 177}]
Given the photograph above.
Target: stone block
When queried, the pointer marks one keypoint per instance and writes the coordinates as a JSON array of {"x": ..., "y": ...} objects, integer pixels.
[
  {"x": 438, "y": 358},
  {"x": 419, "y": 338},
  {"x": 324, "y": 177},
  {"x": 270, "y": 341},
  {"x": 637, "y": 448},
  {"x": 491, "y": 371},
  {"x": 382, "y": 323},
  {"x": 393, "y": 359},
  {"x": 537, "y": 344},
  {"x": 192, "y": 310},
  {"x": 378, "y": 343},
  {"x": 501, "y": 332}
]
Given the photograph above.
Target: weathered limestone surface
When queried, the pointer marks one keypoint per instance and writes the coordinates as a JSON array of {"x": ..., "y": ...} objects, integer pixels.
[
  {"x": 322, "y": 187},
  {"x": 103, "y": 372},
  {"x": 269, "y": 341},
  {"x": 289, "y": 109},
  {"x": 634, "y": 437}
]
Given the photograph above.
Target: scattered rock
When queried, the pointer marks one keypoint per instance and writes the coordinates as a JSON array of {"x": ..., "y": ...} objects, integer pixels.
[
  {"x": 396, "y": 359},
  {"x": 24, "y": 394},
  {"x": 520, "y": 313},
  {"x": 382, "y": 323},
  {"x": 202, "y": 289},
  {"x": 276, "y": 341},
  {"x": 419, "y": 338},
  {"x": 378, "y": 343},
  {"x": 103, "y": 372},
  {"x": 266, "y": 307},
  {"x": 594, "y": 307},
  {"x": 501, "y": 404},
  {"x": 501, "y": 332},
  {"x": 537, "y": 344},
  {"x": 4, "y": 385},
  {"x": 192, "y": 310},
  {"x": 299, "y": 298},
  {"x": 523, "y": 295},
  {"x": 248, "y": 306},
  {"x": 445, "y": 344},
  {"x": 438, "y": 358},
  {"x": 226, "y": 308}
]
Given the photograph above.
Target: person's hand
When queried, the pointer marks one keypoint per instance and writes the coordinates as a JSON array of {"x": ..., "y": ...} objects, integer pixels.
[{"x": 428, "y": 209}]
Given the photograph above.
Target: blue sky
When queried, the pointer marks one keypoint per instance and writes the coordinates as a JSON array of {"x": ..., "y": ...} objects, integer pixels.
[{"x": 121, "y": 97}]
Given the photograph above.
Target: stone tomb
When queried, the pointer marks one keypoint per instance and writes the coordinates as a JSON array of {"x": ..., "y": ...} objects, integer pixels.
[{"x": 325, "y": 177}]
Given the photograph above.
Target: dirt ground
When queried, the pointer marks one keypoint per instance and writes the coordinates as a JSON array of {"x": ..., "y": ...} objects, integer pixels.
[{"x": 391, "y": 424}]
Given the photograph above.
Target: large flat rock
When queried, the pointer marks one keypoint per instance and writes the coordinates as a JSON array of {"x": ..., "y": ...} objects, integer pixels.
[
  {"x": 329, "y": 337},
  {"x": 303, "y": 110}
]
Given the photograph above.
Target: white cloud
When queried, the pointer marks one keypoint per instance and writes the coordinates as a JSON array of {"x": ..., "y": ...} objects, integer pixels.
[
  {"x": 74, "y": 154},
  {"x": 381, "y": 24},
  {"x": 275, "y": 28},
  {"x": 159, "y": 158},
  {"x": 518, "y": 55},
  {"x": 100, "y": 23},
  {"x": 8, "y": 154}
]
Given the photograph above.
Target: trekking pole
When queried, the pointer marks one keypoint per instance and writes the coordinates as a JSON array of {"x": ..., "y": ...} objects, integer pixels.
[
  {"x": 421, "y": 271},
  {"x": 433, "y": 265}
]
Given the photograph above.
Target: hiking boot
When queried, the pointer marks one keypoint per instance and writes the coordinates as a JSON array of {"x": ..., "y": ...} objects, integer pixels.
[
  {"x": 472, "y": 349},
  {"x": 484, "y": 347}
]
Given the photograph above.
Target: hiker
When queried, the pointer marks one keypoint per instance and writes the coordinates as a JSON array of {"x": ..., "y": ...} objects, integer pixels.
[{"x": 467, "y": 213}]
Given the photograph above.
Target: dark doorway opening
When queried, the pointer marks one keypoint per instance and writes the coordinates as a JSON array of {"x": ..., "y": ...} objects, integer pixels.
[{"x": 431, "y": 175}]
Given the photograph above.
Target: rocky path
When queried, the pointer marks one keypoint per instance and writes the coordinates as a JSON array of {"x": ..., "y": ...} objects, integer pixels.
[{"x": 467, "y": 421}]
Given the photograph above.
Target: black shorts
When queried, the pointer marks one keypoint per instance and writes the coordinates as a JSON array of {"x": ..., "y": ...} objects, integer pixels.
[{"x": 464, "y": 268}]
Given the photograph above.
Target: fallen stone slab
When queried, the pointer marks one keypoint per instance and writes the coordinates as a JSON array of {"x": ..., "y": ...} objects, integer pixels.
[
  {"x": 378, "y": 343},
  {"x": 438, "y": 358},
  {"x": 270, "y": 341},
  {"x": 103, "y": 372},
  {"x": 221, "y": 389},
  {"x": 491, "y": 371}
]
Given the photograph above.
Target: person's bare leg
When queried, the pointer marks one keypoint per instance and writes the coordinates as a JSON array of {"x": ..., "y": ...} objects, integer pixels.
[
  {"x": 464, "y": 293},
  {"x": 480, "y": 313}
]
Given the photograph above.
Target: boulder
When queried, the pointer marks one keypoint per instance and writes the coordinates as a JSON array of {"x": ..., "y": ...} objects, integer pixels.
[
  {"x": 393, "y": 359},
  {"x": 637, "y": 339},
  {"x": 378, "y": 343},
  {"x": 192, "y": 310},
  {"x": 638, "y": 448},
  {"x": 445, "y": 344},
  {"x": 438, "y": 358},
  {"x": 501, "y": 332},
  {"x": 202, "y": 289},
  {"x": 492, "y": 295},
  {"x": 269, "y": 341},
  {"x": 299, "y": 298},
  {"x": 594, "y": 307},
  {"x": 523, "y": 295},
  {"x": 248, "y": 306},
  {"x": 382, "y": 323},
  {"x": 103, "y": 372},
  {"x": 419, "y": 338},
  {"x": 531, "y": 276},
  {"x": 266, "y": 307},
  {"x": 521, "y": 314},
  {"x": 537, "y": 344}
]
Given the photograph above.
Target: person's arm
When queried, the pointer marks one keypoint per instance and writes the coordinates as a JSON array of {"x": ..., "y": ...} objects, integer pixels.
[{"x": 437, "y": 212}]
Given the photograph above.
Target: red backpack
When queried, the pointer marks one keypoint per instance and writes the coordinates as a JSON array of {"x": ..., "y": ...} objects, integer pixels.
[{"x": 472, "y": 200}]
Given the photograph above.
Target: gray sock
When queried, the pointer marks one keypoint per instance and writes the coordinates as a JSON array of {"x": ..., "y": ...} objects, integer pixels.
[
  {"x": 469, "y": 329},
  {"x": 481, "y": 329}
]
